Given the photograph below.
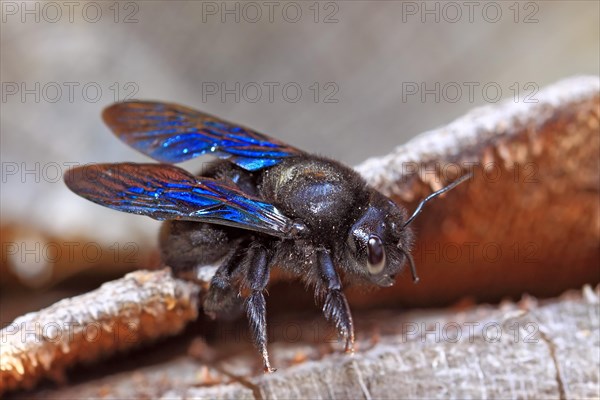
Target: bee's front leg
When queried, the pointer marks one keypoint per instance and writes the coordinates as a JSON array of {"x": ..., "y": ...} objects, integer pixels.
[
  {"x": 335, "y": 307},
  {"x": 256, "y": 280}
]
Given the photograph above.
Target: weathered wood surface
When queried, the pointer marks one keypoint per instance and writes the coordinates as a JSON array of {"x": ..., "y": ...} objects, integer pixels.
[
  {"x": 528, "y": 222},
  {"x": 120, "y": 315},
  {"x": 559, "y": 135},
  {"x": 522, "y": 350}
]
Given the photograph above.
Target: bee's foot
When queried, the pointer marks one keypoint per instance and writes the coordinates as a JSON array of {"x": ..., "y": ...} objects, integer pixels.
[
  {"x": 349, "y": 349},
  {"x": 269, "y": 370}
]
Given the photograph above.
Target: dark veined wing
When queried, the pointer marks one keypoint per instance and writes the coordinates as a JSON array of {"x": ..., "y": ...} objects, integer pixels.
[
  {"x": 172, "y": 133},
  {"x": 163, "y": 191}
]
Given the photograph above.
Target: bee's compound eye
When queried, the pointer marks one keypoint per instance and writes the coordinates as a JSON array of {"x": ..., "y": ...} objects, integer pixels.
[{"x": 375, "y": 255}]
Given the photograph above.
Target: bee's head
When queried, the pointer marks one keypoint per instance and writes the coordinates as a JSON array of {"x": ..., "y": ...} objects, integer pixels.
[{"x": 378, "y": 241}]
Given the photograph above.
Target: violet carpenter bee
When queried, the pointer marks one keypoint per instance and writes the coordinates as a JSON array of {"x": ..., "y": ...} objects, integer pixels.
[{"x": 266, "y": 204}]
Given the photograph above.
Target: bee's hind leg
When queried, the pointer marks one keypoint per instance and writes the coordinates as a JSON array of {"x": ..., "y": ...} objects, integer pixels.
[
  {"x": 190, "y": 248},
  {"x": 223, "y": 297},
  {"x": 257, "y": 278},
  {"x": 251, "y": 267}
]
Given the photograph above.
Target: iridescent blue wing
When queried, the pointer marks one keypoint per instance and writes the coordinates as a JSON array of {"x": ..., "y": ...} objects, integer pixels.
[
  {"x": 163, "y": 191},
  {"x": 172, "y": 133}
]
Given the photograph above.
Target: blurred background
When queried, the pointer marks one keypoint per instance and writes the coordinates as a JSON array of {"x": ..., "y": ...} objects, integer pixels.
[{"x": 349, "y": 79}]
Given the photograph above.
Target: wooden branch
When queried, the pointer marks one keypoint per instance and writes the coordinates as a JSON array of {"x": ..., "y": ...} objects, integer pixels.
[
  {"x": 523, "y": 350},
  {"x": 120, "y": 315},
  {"x": 528, "y": 221},
  {"x": 557, "y": 214}
]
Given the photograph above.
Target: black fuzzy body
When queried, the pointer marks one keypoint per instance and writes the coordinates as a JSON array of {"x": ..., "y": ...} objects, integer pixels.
[
  {"x": 325, "y": 195},
  {"x": 330, "y": 200}
]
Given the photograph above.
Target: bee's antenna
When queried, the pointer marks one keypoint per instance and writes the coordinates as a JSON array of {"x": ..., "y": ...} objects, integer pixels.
[
  {"x": 411, "y": 262},
  {"x": 435, "y": 194}
]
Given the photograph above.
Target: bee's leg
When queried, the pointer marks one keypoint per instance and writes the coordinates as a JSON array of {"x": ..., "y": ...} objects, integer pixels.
[
  {"x": 222, "y": 296},
  {"x": 335, "y": 306},
  {"x": 189, "y": 247},
  {"x": 256, "y": 280}
]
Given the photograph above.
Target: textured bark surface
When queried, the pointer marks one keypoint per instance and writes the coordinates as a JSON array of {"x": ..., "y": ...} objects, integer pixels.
[
  {"x": 528, "y": 222},
  {"x": 120, "y": 315},
  {"x": 522, "y": 350},
  {"x": 530, "y": 219}
]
